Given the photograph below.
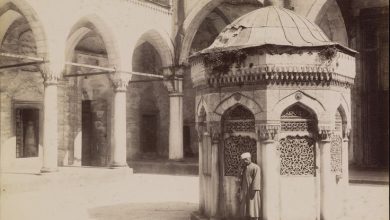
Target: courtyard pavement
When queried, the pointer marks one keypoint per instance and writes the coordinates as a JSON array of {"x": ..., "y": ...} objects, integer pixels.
[{"x": 69, "y": 195}]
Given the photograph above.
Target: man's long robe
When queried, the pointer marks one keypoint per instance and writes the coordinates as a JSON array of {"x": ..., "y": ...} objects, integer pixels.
[{"x": 250, "y": 190}]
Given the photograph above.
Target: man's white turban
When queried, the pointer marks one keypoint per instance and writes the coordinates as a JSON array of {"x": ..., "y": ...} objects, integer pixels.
[{"x": 245, "y": 155}]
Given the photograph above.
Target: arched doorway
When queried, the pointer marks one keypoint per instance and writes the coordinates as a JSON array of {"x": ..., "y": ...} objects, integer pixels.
[
  {"x": 239, "y": 136},
  {"x": 298, "y": 164},
  {"x": 90, "y": 96},
  {"x": 21, "y": 33},
  {"x": 149, "y": 112}
]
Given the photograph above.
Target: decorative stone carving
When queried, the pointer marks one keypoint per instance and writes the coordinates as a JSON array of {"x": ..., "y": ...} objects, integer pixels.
[
  {"x": 297, "y": 118},
  {"x": 215, "y": 132},
  {"x": 234, "y": 146},
  {"x": 297, "y": 156},
  {"x": 173, "y": 79},
  {"x": 298, "y": 96},
  {"x": 268, "y": 132},
  {"x": 336, "y": 151},
  {"x": 282, "y": 76},
  {"x": 50, "y": 79},
  {"x": 239, "y": 126},
  {"x": 346, "y": 133},
  {"x": 200, "y": 127},
  {"x": 325, "y": 134},
  {"x": 120, "y": 84},
  {"x": 296, "y": 112}
]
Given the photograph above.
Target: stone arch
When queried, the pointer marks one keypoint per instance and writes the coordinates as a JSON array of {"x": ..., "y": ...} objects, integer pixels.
[
  {"x": 298, "y": 97},
  {"x": 341, "y": 111},
  {"x": 84, "y": 26},
  {"x": 345, "y": 110},
  {"x": 161, "y": 41},
  {"x": 192, "y": 23},
  {"x": 24, "y": 9},
  {"x": 328, "y": 15},
  {"x": 238, "y": 99}
]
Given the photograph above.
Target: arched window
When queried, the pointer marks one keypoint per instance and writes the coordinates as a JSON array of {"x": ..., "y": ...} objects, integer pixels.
[
  {"x": 238, "y": 125},
  {"x": 297, "y": 147}
]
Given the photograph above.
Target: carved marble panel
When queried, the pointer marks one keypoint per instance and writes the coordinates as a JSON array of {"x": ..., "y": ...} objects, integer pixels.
[
  {"x": 297, "y": 156},
  {"x": 336, "y": 154},
  {"x": 234, "y": 147}
]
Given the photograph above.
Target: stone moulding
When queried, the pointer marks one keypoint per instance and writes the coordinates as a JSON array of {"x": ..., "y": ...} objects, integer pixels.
[
  {"x": 283, "y": 75},
  {"x": 153, "y": 6}
]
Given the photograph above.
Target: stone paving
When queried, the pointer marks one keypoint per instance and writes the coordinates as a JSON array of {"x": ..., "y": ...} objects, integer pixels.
[{"x": 143, "y": 196}]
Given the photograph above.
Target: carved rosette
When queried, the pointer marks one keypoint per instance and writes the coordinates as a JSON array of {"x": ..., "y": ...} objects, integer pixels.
[{"x": 268, "y": 132}]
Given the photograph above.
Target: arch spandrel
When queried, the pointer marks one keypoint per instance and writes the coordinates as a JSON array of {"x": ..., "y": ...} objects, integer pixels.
[
  {"x": 24, "y": 9},
  {"x": 161, "y": 41},
  {"x": 301, "y": 98},
  {"x": 238, "y": 99},
  {"x": 342, "y": 105},
  {"x": 93, "y": 22},
  {"x": 192, "y": 23}
]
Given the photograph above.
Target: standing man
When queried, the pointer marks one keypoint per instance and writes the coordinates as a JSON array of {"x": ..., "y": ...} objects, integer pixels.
[{"x": 250, "y": 200}]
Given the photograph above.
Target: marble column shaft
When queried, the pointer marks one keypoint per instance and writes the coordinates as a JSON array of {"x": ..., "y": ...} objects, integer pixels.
[
  {"x": 119, "y": 154},
  {"x": 50, "y": 124},
  {"x": 270, "y": 169},
  {"x": 327, "y": 179},
  {"x": 176, "y": 126}
]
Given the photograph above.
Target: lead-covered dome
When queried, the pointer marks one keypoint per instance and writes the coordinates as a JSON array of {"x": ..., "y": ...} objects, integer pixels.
[{"x": 270, "y": 26}]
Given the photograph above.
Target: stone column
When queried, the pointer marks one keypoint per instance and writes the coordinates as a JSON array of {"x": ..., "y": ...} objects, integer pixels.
[
  {"x": 327, "y": 180},
  {"x": 174, "y": 83},
  {"x": 345, "y": 156},
  {"x": 201, "y": 152},
  {"x": 270, "y": 167},
  {"x": 215, "y": 136},
  {"x": 50, "y": 124},
  {"x": 345, "y": 170},
  {"x": 119, "y": 155}
]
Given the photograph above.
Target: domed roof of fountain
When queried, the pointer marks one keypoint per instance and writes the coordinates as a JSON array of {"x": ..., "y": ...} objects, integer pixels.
[{"x": 270, "y": 25}]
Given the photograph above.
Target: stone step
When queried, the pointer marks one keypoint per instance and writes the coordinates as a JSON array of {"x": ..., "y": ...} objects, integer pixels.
[{"x": 165, "y": 167}]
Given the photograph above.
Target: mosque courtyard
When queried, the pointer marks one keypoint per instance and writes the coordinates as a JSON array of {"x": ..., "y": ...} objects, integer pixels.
[{"x": 103, "y": 194}]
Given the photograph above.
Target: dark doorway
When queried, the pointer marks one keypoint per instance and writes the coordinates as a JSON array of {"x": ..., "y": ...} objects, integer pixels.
[
  {"x": 86, "y": 121},
  {"x": 95, "y": 148},
  {"x": 149, "y": 133},
  {"x": 27, "y": 132},
  {"x": 187, "y": 141}
]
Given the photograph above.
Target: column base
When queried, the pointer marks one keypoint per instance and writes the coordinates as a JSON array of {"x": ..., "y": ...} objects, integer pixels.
[
  {"x": 124, "y": 170},
  {"x": 49, "y": 170},
  {"x": 118, "y": 166}
]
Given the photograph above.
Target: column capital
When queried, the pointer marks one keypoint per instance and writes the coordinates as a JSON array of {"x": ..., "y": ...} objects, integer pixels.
[
  {"x": 325, "y": 133},
  {"x": 50, "y": 79},
  {"x": 268, "y": 132},
  {"x": 346, "y": 134},
  {"x": 173, "y": 79},
  {"x": 119, "y": 83},
  {"x": 200, "y": 128},
  {"x": 214, "y": 129},
  {"x": 49, "y": 76}
]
